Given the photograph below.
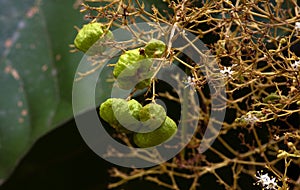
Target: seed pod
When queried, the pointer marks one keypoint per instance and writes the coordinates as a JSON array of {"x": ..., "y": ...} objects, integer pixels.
[
  {"x": 155, "y": 48},
  {"x": 89, "y": 35},
  {"x": 152, "y": 116},
  {"x": 156, "y": 137},
  {"x": 107, "y": 113},
  {"x": 143, "y": 84},
  {"x": 119, "y": 113},
  {"x": 134, "y": 108},
  {"x": 133, "y": 69},
  {"x": 126, "y": 60},
  {"x": 127, "y": 114}
]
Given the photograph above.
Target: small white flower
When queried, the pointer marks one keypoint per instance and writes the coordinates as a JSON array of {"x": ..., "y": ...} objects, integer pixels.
[
  {"x": 190, "y": 82},
  {"x": 262, "y": 178},
  {"x": 250, "y": 118},
  {"x": 227, "y": 71},
  {"x": 271, "y": 184},
  {"x": 296, "y": 65},
  {"x": 297, "y": 27},
  {"x": 266, "y": 181}
]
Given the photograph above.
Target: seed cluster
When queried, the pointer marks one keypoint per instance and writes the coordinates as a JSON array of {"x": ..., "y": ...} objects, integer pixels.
[{"x": 124, "y": 115}]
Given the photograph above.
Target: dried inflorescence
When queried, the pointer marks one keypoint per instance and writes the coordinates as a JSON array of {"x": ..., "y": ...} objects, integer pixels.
[{"x": 256, "y": 45}]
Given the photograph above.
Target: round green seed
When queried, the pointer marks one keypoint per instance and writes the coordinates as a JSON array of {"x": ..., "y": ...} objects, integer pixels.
[
  {"x": 89, "y": 35},
  {"x": 156, "y": 137}
]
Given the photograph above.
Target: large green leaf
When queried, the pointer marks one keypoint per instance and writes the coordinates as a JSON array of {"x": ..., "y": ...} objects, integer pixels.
[{"x": 36, "y": 73}]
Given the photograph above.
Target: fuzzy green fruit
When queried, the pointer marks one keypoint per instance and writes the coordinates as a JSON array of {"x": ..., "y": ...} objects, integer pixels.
[
  {"x": 132, "y": 69},
  {"x": 126, "y": 60},
  {"x": 106, "y": 112},
  {"x": 127, "y": 113},
  {"x": 89, "y": 35},
  {"x": 134, "y": 108},
  {"x": 155, "y": 48},
  {"x": 152, "y": 116},
  {"x": 119, "y": 113},
  {"x": 156, "y": 137}
]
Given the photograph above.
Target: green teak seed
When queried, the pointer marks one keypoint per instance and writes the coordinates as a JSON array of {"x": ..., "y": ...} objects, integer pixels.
[
  {"x": 106, "y": 112},
  {"x": 126, "y": 112},
  {"x": 89, "y": 35},
  {"x": 156, "y": 137},
  {"x": 155, "y": 48},
  {"x": 133, "y": 70},
  {"x": 152, "y": 115}
]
